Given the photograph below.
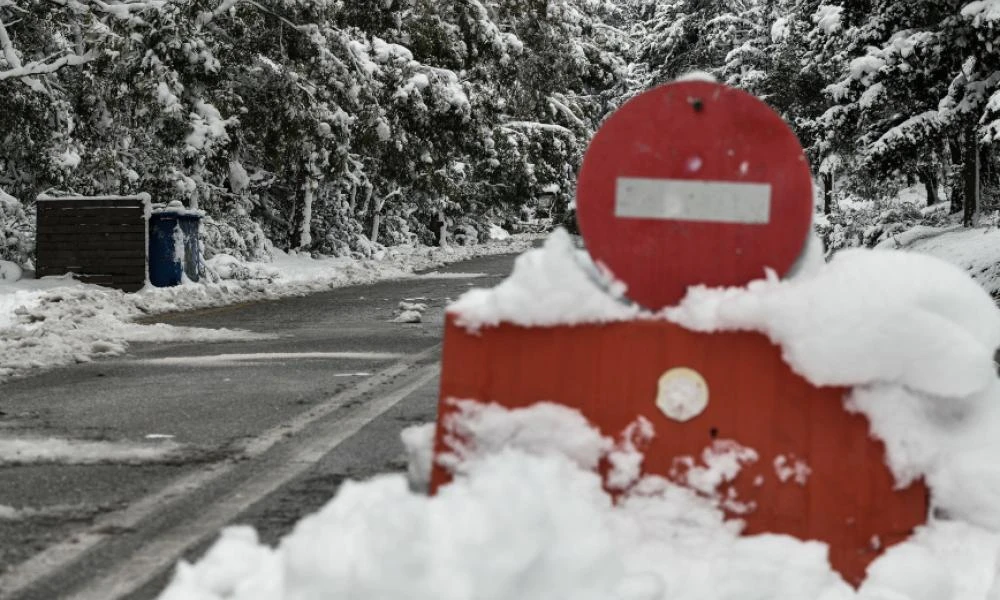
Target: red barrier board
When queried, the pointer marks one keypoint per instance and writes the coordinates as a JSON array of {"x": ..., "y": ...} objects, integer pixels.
[{"x": 611, "y": 373}]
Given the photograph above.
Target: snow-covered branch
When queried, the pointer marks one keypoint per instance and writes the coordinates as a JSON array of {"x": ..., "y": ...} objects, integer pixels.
[
  {"x": 561, "y": 107},
  {"x": 10, "y": 54},
  {"x": 124, "y": 10},
  {"x": 207, "y": 17},
  {"x": 43, "y": 68},
  {"x": 539, "y": 126}
]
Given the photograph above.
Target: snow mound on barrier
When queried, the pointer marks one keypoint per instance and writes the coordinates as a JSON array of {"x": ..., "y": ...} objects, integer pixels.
[
  {"x": 530, "y": 520},
  {"x": 866, "y": 317},
  {"x": 555, "y": 284},
  {"x": 914, "y": 336}
]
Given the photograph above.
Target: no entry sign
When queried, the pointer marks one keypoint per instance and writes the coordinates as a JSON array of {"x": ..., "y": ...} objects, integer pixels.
[{"x": 693, "y": 183}]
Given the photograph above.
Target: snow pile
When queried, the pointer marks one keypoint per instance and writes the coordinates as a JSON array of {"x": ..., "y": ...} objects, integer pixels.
[
  {"x": 867, "y": 317},
  {"x": 208, "y": 128},
  {"x": 76, "y": 324},
  {"x": 411, "y": 310},
  {"x": 528, "y": 519},
  {"x": 57, "y": 321},
  {"x": 555, "y": 284},
  {"x": 498, "y": 233},
  {"x": 9, "y": 271},
  {"x": 912, "y": 335}
]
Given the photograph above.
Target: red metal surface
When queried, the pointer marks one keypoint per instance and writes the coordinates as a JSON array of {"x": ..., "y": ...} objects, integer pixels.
[
  {"x": 610, "y": 373},
  {"x": 734, "y": 137}
]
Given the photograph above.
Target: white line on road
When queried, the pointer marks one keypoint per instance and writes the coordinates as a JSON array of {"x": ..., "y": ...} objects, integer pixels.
[
  {"x": 216, "y": 359},
  {"x": 36, "y": 450},
  {"x": 450, "y": 275},
  {"x": 63, "y": 553},
  {"x": 147, "y": 562}
]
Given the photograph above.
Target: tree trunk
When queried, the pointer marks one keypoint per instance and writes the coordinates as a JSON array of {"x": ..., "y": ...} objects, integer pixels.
[
  {"x": 443, "y": 242},
  {"x": 929, "y": 178},
  {"x": 827, "y": 193},
  {"x": 955, "y": 198},
  {"x": 970, "y": 179},
  {"x": 377, "y": 217},
  {"x": 375, "y": 226},
  {"x": 305, "y": 229}
]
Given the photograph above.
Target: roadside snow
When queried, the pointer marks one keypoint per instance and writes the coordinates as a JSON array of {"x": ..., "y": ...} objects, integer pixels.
[
  {"x": 976, "y": 250},
  {"x": 57, "y": 320}
]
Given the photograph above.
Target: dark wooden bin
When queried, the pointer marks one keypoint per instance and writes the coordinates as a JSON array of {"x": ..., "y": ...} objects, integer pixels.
[{"x": 100, "y": 239}]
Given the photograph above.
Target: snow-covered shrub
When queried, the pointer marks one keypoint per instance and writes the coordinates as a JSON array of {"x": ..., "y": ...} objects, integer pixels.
[
  {"x": 226, "y": 266},
  {"x": 855, "y": 222},
  {"x": 235, "y": 235},
  {"x": 17, "y": 239}
]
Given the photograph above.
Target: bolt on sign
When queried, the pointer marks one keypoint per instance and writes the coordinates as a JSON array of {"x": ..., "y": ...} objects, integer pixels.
[{"x": 697, "y": 183}]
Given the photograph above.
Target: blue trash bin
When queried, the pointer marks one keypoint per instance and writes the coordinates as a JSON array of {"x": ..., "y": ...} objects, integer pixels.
[{"x": 174, "y": 246}]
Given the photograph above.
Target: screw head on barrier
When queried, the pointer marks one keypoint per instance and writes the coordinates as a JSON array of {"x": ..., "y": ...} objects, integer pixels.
[
  {"x": 682, "y": 394},
  {"x": 693, "y": 183}
]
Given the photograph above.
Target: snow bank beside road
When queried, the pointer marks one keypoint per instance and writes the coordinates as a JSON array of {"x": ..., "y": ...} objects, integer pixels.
[
  {"x": 58, "y": 321},
  {"x": 975, "y": 250}
]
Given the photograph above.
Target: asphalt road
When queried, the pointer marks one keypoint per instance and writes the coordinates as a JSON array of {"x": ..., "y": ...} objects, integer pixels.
[{"x": 260, "y": 432}]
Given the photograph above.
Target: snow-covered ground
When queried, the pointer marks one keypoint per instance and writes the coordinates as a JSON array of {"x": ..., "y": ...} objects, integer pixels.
[
  {"x": 57, "y": 320},
  {"x": 527, "y": 516},
  {"x": 976, "y": 250}
]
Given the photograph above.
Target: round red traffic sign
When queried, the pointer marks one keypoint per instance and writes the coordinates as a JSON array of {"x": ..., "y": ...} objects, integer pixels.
[{"x": 693, "y": 183}]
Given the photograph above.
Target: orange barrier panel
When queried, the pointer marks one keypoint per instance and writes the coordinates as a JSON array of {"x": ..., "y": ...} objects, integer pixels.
[{"x": 611, "y": 372}]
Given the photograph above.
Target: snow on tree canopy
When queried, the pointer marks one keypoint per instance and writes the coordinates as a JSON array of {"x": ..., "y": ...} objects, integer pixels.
[
  {"x": 828, "y": 18},
  {"x": 982, "y": 10}
]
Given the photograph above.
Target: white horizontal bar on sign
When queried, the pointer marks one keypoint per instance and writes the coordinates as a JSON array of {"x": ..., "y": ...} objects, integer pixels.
[{"x": 692, "y": 200}]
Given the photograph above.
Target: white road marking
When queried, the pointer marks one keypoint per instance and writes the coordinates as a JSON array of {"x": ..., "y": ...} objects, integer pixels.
[
  {"x": 447, "y": 275},
  {"x": 35, "y": 450},
  {"x": 10, "y": 513},
  {"x": 67, "y": 551},
  {"x": 217, "y": 359},
  {"x": 351, "y": 374},
  {"x": 691, "y": 200},
  {"x": 146, "y": 562}
]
